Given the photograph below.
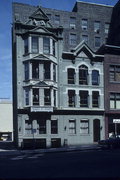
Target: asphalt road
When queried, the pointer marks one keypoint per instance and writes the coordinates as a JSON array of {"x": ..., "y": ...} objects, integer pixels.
[{"x": 87, "y": 164}]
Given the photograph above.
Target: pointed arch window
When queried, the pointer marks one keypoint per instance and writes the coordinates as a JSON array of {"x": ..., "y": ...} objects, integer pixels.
[{"x": 83, "y": 75}]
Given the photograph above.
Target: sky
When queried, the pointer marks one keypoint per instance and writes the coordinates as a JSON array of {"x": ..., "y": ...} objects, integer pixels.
[{"x": 5, "y": 34}]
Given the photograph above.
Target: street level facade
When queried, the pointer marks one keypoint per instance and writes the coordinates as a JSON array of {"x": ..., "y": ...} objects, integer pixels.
[{"x": 58, "y": 79}]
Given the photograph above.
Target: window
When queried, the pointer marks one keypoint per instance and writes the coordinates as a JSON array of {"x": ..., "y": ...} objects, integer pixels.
[
  {"x": 71, "y": 98},
  {"x": 85, "y": 38},
  {"x": 84, "y": 126},
  {"x": 114, "y": 100},
  {"x": 107, "y": 25},
  {"x": 49, "y": 16},
  {"x": 95, "y": 77},
  {"x": 53, "y": 47},
  {"x": 54, "y": 72},
  {"x": 26, "y": 66},
  {"x": 97, "y": 41},
  {"x": 47, "y": 97},
  {"x": 26, "y": 45},
  {"x": 57, "y": 19},
  {"x": 114, "y": 73},
  {"x": 54, "y": 126},
  {"x": 54, "y": 94},
  {"x": 83, "y": 75},
  {"x": 72, "y": 127},
  {"x": 35, "y": 70},
  {"x": 72, "y": 22},
  {"x": 83, "y": 98},
  {"x": 26, "y": 96},
  {"x": 36, "y": 96},
  {"x": 28, "y": 127},
  {"x": 41, "y": 126},
  {"x": 35, "y": 44},
  {"x": 84, "y": 24},
  {"x": 47, "y": 71},
  {"x": 95, "y": 99},
  {"x": 46, "y": 45},
  {"x": 73, "y": 39},
  {"x": 71, "y": 76},
  {"x": 97, "y": 26}
]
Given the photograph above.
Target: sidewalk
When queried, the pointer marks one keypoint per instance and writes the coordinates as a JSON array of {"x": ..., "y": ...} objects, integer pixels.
[{"x": 7, "y": 148}]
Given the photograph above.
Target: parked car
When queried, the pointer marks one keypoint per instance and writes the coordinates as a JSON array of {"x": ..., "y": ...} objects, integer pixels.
[{"x": 110, "y": 143}]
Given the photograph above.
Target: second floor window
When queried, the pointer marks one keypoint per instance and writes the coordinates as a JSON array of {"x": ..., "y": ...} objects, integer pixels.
[
  {"x": 46, "y": 45},
  {"x": 71, "y": 98},
  {"x": 95, "y": 77},
  {"x": 47, "y": 97},
  {"x": 34, "y": 44},
  {"x": 83, "y": 75},
  {"x": 114, "y": 100},
  {"x": 71, "y": 76},
  {"x": 72, "y": 127},
  {"x": 35, "y": 70},
  {"x": 83, "y": 98},
  {"x": 114, "y": 73},
  {"x": 95, "y": 99},
  {"x": 36, "y": 96}
]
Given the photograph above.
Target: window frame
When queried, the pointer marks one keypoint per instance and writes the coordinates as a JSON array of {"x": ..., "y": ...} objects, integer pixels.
[
  {"x": 84, "y": 98},
  {"x": 71, "y": 78},
  {"x": 95, "y": 80},
  {"x": 72, "y": 129},
  {"x": 83, "y": 75},
  {"x": 85, "y": 126},
  {"x": 35, "y": 44},
  {"x": 95, "y": 99},
  {"x": 71, "y": 98}
]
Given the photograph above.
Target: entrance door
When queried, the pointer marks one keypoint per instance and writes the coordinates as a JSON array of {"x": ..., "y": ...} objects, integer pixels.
[{"x": 96, "y": 130}]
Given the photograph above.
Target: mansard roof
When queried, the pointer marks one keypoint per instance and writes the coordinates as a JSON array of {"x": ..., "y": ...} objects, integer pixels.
[{"x": 81, "y": 47}]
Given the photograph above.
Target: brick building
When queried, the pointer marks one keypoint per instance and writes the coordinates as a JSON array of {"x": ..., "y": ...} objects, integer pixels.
[{"x": 58, "y": 79}]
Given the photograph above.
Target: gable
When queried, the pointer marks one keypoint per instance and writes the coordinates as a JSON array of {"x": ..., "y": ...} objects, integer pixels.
[{"x": 39, "y": 15}]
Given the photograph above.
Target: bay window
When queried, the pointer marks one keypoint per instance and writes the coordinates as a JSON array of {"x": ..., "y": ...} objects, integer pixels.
[{"x": 35, "y": 44}]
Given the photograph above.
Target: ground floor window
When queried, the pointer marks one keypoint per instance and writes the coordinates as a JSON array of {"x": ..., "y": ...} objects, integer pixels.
[
  {"x": 84, "y": 126},
  {"x": 72, "y": 126},
  {"x": 28, "y": 127},
  {"x": 41, "y": 126}
]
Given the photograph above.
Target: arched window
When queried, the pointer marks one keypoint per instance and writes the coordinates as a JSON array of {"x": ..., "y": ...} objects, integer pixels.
[
  {"x": 71, "y": 76},
  {"x": 83, "y": 75},
  {"x": 95, "y": 77}
]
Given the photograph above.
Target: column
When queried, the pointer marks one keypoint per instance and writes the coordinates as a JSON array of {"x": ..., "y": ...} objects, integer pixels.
[
  {"x": 41, "y": 72},
  {"x": 48, "y": 129},
  {"x": 52, "y": 97},
  {"x": 51, "y": 71},
  {"x": 41, "y": 97},
  {"x": 29, "y": 44},
  {"x": 30, "y": 97}
]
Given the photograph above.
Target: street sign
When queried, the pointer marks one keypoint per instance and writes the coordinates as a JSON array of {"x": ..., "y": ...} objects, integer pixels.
[{"x": 116, "y": 120}]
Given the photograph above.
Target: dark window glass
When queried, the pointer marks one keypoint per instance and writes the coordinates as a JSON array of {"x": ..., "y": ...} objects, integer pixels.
[
  {"x": 35, "y": 70},
  {"x": 35, "y": 44},
  {"x": 46, "y": 45},
  {"x": 95, "y": 99},
  {"x": 83, "y": 75},
  {"x": 54, "y": 72},
  {"x": 26, "y": 45},
  {"x": 54, "y": 97},
  {"x": 47, "y": 97},
  {"x": 83, "y": 98},
  {"x": 36, "y": 96},
  {"x": 47, "y": 71},
  {"x": 26, "y": 66},
  {"x": 26, "y": 96},
  {"x": 71, "y": 76},
  {"x": 41, "y": 126},
  {"x": 95, "y": 77},
  {"x": 71, "y": 98},
  {"x": 54, "y": 126}
]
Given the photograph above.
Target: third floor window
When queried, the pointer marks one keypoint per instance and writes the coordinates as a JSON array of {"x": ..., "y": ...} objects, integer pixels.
[
  {"x": 83, "y": 75},
  {"x": 95, "y": 77},
  {"x": 34, "y": 44},
  {"x": 71, "y": 76}
]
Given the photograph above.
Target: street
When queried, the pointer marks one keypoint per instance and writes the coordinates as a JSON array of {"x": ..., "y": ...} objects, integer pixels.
[{"x": 84, "y": 164}]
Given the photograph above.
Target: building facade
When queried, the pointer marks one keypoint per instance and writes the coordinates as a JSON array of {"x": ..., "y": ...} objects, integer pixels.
[
  {"x": 6, "y": 122},
  {"x": 58, "y": 79}
]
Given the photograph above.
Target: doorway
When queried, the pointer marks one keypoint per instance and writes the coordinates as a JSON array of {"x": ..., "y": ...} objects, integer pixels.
[{"x": 96, "y": 130}]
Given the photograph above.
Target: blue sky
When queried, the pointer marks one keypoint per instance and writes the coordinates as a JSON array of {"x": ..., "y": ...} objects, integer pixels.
[{"x": 5, "y": 34}]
